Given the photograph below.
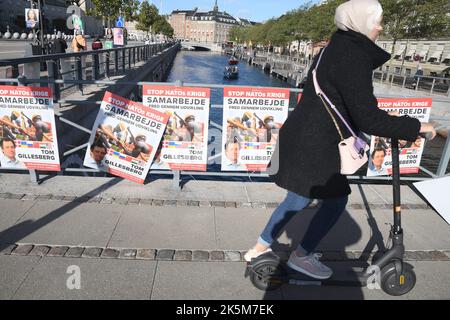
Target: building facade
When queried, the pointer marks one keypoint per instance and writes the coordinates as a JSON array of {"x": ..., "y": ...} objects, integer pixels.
[
  {"x": 207, "y": 27},
  {"x": 432, "y": 56},
  {"x": 12, "y": 14}
]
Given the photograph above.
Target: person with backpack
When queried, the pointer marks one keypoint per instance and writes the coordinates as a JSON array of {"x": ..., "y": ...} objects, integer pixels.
[{"x": 79, "y": 43}]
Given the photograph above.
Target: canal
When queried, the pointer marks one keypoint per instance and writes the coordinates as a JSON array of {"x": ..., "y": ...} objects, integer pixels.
[{"x": 207, "y": 67}]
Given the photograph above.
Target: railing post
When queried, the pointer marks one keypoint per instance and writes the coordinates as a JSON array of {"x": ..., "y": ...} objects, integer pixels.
[
  {"x": 417, "y": 84},
  {"x": 134, "y": 55},
  {"x": 116, "y": 61},
  {"x": 53, "y": 68},
  {"x": 34, "y": 175},
  {"x": 176, "y": 182},
  {"x": 432, "y": 86},
  {"x": 107, "y": 64},
  {"x": 79, "y": 73},
  {"x": 15, "y": 73},
  {"x": 129, "y": 58},
  {"x": 95, "y": 66},
  {"x": 123, "y": 60},
  {"x": 445, "y": 159}
]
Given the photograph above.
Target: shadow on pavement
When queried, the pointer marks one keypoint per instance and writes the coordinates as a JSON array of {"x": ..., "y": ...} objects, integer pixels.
[
  {"x": 348, "y": 234},
  {"x": 19, "y": 231}
]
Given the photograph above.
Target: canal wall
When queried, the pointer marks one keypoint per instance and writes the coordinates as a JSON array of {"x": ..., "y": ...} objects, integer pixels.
[{"x": 288, "y": 69}]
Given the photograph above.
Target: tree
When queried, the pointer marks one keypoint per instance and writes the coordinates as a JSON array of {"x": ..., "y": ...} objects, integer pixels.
[
  {"x": 161, "y": 26},
  {"x": 130, "y": 9},
  {"x": 415, "y": 19},
  {"x": 147, "y": 16},
  {"x": 112, "y": 9}
]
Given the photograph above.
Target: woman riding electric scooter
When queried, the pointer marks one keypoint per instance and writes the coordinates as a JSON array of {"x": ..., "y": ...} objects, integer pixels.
[{"x": 309, "y": 161}]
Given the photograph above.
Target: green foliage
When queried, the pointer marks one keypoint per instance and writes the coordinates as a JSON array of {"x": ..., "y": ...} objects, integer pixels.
[
  {"x": 162, "y": 26},
  {"x": 112, "y": 9},
  {"x": 414, "y": 19},
  {"x": 149, "y": 19},
  {"x": 402, "y": 19},
  {"x": 147, "y": 16}
]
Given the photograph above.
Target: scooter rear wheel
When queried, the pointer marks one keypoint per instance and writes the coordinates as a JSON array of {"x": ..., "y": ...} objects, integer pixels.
[
  {"x": 394, "y": 286},
  {"x": 267, "y": 276}
]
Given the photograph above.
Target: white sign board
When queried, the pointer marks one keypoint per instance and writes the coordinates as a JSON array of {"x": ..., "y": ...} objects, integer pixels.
[{"x": 436, "y": 192}]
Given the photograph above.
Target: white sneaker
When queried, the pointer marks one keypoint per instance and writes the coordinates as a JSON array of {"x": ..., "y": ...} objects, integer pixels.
[
  {"x": 310, "y": 265},
  {"x": 253, "y": 254}
]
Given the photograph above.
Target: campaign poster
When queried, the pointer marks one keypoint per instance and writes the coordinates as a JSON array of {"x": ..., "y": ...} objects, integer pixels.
[
  {"x": 118, "y": 36},
  {"x": 252, "y": 118},
  {"x": 125, "y": 138},
  {"x": 185, "y": 142},
  {"x": 32, "y": 18},
  {"x": 27, "y": 129},
  {"x": 380, "y": 159}
]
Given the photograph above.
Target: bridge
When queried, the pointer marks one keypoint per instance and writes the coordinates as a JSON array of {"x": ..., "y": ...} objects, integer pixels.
[{"x": 201, "y": 46}]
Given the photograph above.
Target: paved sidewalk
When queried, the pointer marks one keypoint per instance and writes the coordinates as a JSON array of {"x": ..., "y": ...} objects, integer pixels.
[{"x": 151, "y": 242}]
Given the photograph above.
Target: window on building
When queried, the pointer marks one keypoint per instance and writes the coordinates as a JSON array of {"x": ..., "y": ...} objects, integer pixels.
[{"x": 397, "y": 70}]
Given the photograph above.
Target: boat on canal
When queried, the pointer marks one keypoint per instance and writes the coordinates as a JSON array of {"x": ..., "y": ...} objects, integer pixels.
[
  {"x": 231, "y": 72},
  {"x": 233, "y": 61}
]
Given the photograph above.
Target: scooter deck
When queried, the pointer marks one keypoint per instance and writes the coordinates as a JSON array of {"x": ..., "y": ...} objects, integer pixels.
[
  {"x": 351, "y": 274},
  {"x": 352, "y": 277}
]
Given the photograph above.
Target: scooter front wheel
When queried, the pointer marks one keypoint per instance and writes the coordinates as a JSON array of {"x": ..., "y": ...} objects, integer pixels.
[
  {"x": 397, "y": 285},
  {"x": 267, "y": 276}
]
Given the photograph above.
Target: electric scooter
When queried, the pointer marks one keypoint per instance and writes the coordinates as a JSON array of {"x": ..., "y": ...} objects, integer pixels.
[{"x": 268, "y": 272}]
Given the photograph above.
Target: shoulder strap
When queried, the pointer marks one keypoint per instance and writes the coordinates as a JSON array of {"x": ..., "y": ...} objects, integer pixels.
[{"x": 323, "y": 96}]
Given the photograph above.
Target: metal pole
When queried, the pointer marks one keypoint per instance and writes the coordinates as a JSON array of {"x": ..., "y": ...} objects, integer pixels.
[
  {"x": 107, "y": 64},
  {"x": 41, "y": 23},
  {"x": 34, "y": 176},
  {"x": 123, "y": 60},
  {"x": 432, "y": 86},
  {"x": 129, "y": 58},
  {"x": 116, "y": 61},
  {"x": 79, "y": 73},
  {"x": 396, "y": 187},
  {"x": 176, "y": 182},
  {"x": 95, "y": 66}
]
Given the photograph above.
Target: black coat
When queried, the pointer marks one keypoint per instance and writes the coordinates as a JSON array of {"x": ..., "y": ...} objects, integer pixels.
[
  {"x": 309, "y": 161},
  {"x": 59, "y": 46}
]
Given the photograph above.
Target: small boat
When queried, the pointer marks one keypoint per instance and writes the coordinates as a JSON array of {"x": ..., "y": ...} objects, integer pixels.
[
  {"x": 231, "y": 72},
  {"x": 233, "y": 61}
]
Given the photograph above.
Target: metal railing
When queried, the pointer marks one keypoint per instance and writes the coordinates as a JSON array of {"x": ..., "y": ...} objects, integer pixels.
[
  {"x": 86, "y": 65},
  {"x": 441, "y": 171},
  {"x": 428, "y": 84},
  {"x": 431, "y": 85}
]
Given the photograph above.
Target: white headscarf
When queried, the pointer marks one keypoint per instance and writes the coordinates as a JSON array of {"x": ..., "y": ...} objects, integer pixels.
[{"x": 358, "y": 15}]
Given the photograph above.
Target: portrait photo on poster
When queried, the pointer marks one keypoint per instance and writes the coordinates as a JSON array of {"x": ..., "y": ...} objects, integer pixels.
[{"x": 32, "y": 18}]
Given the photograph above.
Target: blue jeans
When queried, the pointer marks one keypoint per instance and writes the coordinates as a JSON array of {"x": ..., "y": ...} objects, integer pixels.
[{"x": 322, "y": 222}]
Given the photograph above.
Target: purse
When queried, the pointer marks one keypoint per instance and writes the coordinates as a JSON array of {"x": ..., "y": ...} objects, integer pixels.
[{"x": 353, "y": 150}]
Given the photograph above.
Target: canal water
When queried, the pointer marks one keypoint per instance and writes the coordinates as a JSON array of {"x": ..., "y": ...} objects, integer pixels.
[{"x": 207, "y": 68}]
